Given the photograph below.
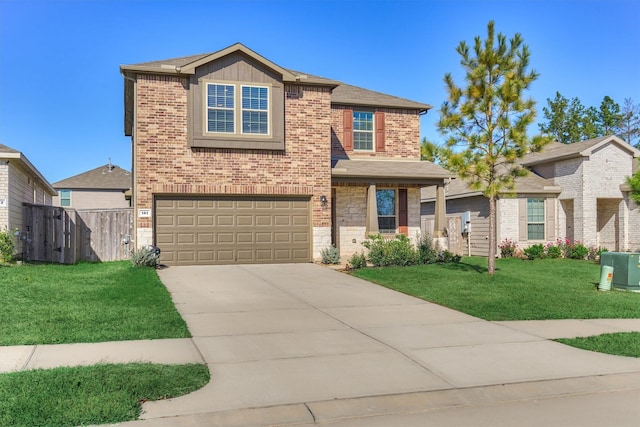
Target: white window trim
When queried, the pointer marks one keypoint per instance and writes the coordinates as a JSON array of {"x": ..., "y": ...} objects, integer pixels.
[
  {"x": 241, "y": 110},
  {"x": 237, "y": 110},
  {"x": 373, "y": 132}
]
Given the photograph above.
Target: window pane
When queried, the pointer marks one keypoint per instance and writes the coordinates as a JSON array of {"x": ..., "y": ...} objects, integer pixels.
[
  {"x": 220, "y": 96},
  {"x": 220, "y": 121},
  {"x": 254, "y": 122},
  {"x": 387, "y": 224},
  {"x": 362, "y": 141},
  {"x": 254, "y": 98},
  {"x": 386, "y": 201},
  {"x": 362, "y": 121},
  {"x": 535, "y": 231}
]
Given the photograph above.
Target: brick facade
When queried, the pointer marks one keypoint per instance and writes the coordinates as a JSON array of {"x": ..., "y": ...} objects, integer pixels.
[
  {"x": 164, "y": 164},
  {"x": 402, "y": 134}
]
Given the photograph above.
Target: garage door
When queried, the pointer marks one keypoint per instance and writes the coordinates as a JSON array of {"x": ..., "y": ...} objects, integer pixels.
[{"x": 227, "y": 230}]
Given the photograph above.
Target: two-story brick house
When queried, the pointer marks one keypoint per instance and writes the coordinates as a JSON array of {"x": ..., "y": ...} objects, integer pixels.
[{"x": 236, "y": 159}]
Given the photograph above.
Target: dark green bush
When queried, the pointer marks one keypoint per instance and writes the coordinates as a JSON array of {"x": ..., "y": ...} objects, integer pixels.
[
  {"x": 7, "y": 245},
  {"x": 554, "y": 251},
  {"x": 578, "y": 251},
  {"x": 427, "y": 254},
  {"x": 358, "y": 260},
  {"x": 535, "y": 251},
  {"x": 397, "y": 251}
]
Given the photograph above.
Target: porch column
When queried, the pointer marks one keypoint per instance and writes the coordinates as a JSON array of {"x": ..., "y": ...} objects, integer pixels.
[
  {"x": 440, "y": 220},
  {"x": 371, "y": 222}
]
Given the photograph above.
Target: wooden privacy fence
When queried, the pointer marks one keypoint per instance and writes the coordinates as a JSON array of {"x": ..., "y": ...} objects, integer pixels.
[
  {"x": 455, "y": 239},
  {"x": 66, "y": 236}
]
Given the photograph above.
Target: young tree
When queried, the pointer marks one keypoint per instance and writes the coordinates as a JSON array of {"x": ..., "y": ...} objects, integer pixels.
[
  {"x": 634, "y": 183},
  {"x": 486, "y": 122},
  {"x": 630, "y": 127},
  {"x": 429, "y": 151}
]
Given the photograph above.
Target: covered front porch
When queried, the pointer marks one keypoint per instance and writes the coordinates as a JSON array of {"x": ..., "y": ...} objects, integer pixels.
[{"x": 382, "y": 196}]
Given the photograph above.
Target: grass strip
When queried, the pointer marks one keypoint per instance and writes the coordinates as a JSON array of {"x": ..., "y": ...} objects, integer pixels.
[
  {"x": 99, "y": 394},
  {"x": 520, "y": 289},
  {"x": 114, "y": 301},
  {"x": 620, "y": 344}
]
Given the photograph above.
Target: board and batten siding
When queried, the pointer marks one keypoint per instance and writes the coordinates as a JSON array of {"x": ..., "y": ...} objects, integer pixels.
[{"x": 237, "y": 69}]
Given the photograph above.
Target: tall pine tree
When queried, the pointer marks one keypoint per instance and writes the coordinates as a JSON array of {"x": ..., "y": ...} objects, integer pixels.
[{"x": 485, "y": 123}]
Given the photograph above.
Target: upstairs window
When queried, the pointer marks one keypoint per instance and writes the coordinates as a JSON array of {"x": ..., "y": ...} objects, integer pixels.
[
  {"x": 363, "y": 130},
  {"x": 535, "y": 219},
  {"x": 65, "y": 198},
  {"x": 223, "y": 113},
  {"x": 220, "y": 108},
  {"x": 255, "y": 110}
]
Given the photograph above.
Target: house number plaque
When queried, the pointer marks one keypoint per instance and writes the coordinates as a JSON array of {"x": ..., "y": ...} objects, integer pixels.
[{"x": 144, "y": 213}]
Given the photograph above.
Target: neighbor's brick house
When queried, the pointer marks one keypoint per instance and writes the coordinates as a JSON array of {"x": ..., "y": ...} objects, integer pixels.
[
  {"x": 576, "y": 191},
  {"x": 236, "y": 159}
]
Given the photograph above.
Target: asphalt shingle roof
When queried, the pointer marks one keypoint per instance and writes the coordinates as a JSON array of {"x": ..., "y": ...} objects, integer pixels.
[{"x": 106, "y": 177}]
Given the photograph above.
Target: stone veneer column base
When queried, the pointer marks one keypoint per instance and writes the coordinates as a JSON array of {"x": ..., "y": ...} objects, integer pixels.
[
  {"x": 144, "y": 237},
  {"x": 321, "y": 240}
]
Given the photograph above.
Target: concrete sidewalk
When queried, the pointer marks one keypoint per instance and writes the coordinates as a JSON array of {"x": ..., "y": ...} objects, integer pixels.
[{"x": 302, "y": 344}]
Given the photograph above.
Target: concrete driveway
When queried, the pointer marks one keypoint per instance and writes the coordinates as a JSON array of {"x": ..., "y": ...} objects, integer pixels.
[{"x": 303, "y": 344}]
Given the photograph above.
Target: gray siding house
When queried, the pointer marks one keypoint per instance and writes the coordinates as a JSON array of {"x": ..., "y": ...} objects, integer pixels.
[
  {"x": 105, "y": 187},
  {"x": 575, "y": 191}
]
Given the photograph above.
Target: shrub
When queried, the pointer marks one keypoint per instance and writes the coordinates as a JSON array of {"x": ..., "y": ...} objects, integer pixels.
[
  {"x": 507, "y": 248},
  {"x": 535, "y": 251},
  {"x": 7, "y": 245},
  {"x": 397, "y": 251},
  {"x": 358, "y": 260},
  {"x": 330, "y": 255},
  {"x": 446, "y": 257},
  {"x": 553, "y": 251},
  {"x": 427, "y": 254},
  {"x": 578, "y": 251},
  {"x": 144, "y": 257},
  {"x": 594, "y": 253}
]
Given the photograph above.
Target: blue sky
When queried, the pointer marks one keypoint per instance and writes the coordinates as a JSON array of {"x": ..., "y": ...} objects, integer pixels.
[{"x": 61, "y": 93}]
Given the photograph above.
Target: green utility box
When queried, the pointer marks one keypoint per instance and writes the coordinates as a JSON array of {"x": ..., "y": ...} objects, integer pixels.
[{"x": 626, "y": 269}]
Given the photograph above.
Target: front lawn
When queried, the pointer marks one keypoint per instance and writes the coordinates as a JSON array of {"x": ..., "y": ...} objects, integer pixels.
[
  {"x": 520, "y": 289},
  {"x": 621, "y": 344},
  {"x": 52, "y": 304},
  {"x": 89, "y": 395}
]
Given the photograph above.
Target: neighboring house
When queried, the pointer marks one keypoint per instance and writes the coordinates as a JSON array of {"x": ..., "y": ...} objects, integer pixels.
[
  {"x": 237, "y": 159},
  {"x": 104, "y": 187},
  {"x": 575, "y": 191},
  {"x": 20, "y": 182}
]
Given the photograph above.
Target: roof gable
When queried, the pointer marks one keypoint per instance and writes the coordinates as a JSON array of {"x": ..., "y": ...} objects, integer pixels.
[
  {"x": 558, "y": 151},
  {"x": 11, "y": 154},
  {"x": 106, "y": 177}
]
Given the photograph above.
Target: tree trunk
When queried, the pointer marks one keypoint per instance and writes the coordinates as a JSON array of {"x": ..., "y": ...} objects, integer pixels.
[{"x": 491, "y": 262}]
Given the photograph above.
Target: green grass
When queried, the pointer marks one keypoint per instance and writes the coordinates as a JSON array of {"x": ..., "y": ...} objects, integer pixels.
[
  {"x": 100, "y": 394},
  {"x": 621, "y": 344},
  {"x": 114, "y": 301},
  {"x": 520, "y": 289}
]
